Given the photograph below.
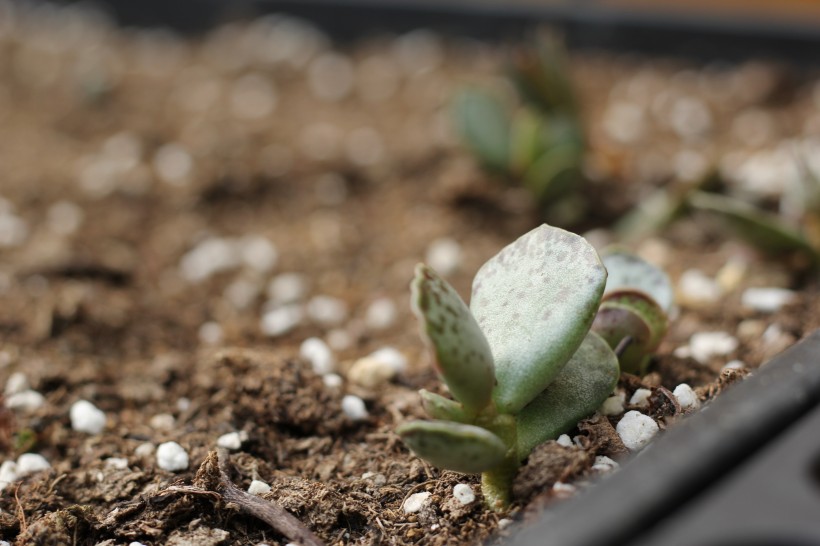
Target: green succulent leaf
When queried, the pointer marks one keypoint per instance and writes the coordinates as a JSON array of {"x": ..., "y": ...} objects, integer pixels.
[
  {"x": 439, "y": 407},
  {"x": 461, "y": 353},
  {"x": 555, "y": 173},
  {"x": 526, "y": 140},
  {"x": 541, "y": 75},
  {"x": 535, "y": 301},
  {"x": 627, "y": 271},
  {"x": 765, "y": 231},
  {"x": 455, "y": 446},
  {"x": 484, "y": 125},
  {"x": 578, "y": 391}
]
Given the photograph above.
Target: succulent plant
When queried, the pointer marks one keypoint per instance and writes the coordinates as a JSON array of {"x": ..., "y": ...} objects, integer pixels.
[
  {"x": 520, "y": 362},
  {"x": 539, "y": 142}
]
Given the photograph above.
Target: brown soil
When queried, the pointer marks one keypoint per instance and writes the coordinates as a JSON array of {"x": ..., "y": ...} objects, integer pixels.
[{"x": 102, "y": 312}]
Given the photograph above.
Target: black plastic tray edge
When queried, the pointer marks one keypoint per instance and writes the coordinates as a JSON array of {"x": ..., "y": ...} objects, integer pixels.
[{"x": 688, "y": 458}]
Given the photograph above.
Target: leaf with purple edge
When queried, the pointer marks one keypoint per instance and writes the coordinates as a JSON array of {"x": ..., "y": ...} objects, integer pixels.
[
  {"x": 535, "y": 301},
  {"x": 461, "y": 352}
]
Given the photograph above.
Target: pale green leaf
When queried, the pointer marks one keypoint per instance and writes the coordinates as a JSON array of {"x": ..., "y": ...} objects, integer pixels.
[
  {"x": 484, "y": 125},
  {"x": 627, "y": 271},
  {"x": 461, "y": 353},
  {"x": 535, "y": 301},
  {"x": 439, "y": 407},
  {"x": 578, "y": 391},
  {"x": 455, "y": 446}
]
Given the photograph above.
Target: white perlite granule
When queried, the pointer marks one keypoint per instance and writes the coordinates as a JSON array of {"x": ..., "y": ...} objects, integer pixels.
[
  {"x": 321, "y": 358},
  {"x": 85, "y": 417},
  {"x": 463, "y": 493},
  {"x": 258, "y": 487},
  {"x": 416, "y": 502},
  {"x": 636, "y": 430},
  {"x": 354, "y": 408},
  {"x": 686, "y": 397},
  {"x": 640, "y": 398},
  {"x": 28, "y": 463},
  {"x": 564, "y": 440},
  {"x": 614, "y": 405},
  {"x": 232, "y": 440},
  {"x": 172, "y": 457}
]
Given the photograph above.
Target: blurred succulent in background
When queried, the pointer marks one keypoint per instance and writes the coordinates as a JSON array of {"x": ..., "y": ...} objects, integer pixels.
[
  {"x": 539, "y": 142},
  {"x": 521, "y": 361}
]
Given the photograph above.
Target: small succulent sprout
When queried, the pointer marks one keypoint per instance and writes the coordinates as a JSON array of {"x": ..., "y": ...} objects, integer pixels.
[
  {"x": 461, "y": 352},
  {"x": 632, "y": 315},
  {"x": 635, "y": 306},
  {"x": 541, "y": 74},
  {"x": 483, "y": 122},
  {"x": 535, "y": 301},
  {"x": 764, "y": 230},
  {"x": 520, "y": 362}
]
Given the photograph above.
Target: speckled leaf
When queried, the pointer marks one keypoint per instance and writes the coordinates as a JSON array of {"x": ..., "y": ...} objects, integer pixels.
[
  {"x": 483, "y": 123},
  {"x": 535, "y": 301},
  {"x": 439, "y": 407},
  {"x": 455, "y": 446},
  {"x": 765, "y": 231},
  {"x": 578, "y": 391},
  {"x": 461, "y": 353},
  {"x": 629, "y": 271}
]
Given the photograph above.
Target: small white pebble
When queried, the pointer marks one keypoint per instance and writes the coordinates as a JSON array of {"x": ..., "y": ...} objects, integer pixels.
[
  {"x": 145, "y": 449},
  {"x": 85, "y": 417},
  {"x": 695, "y": 289},
  {"x": 172, "y": 457},
  {"x": 614, "y": 405},
  {"x": 604, "y": 464},
  {"x": 767, "y": 300},
  {"x": 706, "y": 345},
  {"x": 504, "y": 523},
  {"x": 116, "y": 463},
  {"x": 162, "y": 421},
  {"x": 29, "y": 463},
  {"x": 416, "y": 502},
  {"x": 231, "y": 440},
  {"x": 391, "y": 357},
  {"x": 444, "y": 255},
  {"x": 370, "y": 372},
  {"x": 26, "y": 401},
  {"x": 16, "y": 383},
  {"x": 686, "y": 397},
  {"x": 636, "y": 430},
  {"x": 327, "y": 310},
  {"x": 173, "y": 164},
  {"x": 332, "y": 380},
  {"x": 381, "y": 314},
  {"x": 207, "y": 258},
  {"x": 8, "y": 474},
  {"x": 564, "y": 440},
  {"x": 211, "y": 333},
  {"x": 640, "y": 398},
  {"x": 135, "y": 543},
  {"x": 242, "y": 293},
  {"x": 339, "y": 339},
  {"x": 563, "y": 490},
  {"x": 377, "y": 479},
  {"x": 354, "y": 408},
  {"x": 281, "y": 320},
  {"x": 287, "y": 288},
  {"x": 321, "y": 358},
  {"x": 258, "y": 253},
  {"x": 734, "y": 365},
  {"x": 463, "y": 493},
  {"x": 258, "y": 487}
]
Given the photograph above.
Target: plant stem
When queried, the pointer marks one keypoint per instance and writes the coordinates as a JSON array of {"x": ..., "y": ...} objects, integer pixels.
[{"x": 496, "y": 484}]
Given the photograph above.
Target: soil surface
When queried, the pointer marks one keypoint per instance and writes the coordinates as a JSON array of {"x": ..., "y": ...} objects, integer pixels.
[{"x": 155, "y": 189}]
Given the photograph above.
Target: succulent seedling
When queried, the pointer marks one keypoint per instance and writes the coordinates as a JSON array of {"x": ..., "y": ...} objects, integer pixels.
[
  {"x": 538, "y": 142},
  {"x": 635, "y": 307},
  {"x": 520, "y": 362}
]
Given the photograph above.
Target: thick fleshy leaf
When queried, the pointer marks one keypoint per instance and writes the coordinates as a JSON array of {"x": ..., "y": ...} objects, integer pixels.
[
  {"x": 439, "y": 407},
  {"x": 578, "y": 391},
  {"x": 555, "y": 172},
  {"x": 461, "y": 352},
  {"x": 629, "y": 271},
  {"x": 765, "y": 231},
  {"x": 484, "y": 125},
  {"x": 526, "y": 140},
  {"x": 455, "y": 446},
  {"x": 535, "y": 301},
  {"x": 541, "y": 75}
]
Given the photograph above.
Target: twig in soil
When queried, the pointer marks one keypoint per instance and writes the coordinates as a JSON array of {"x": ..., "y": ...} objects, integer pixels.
[
  {"x": 21, "y": 514},
  {"x": 267, "y": 511}
]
